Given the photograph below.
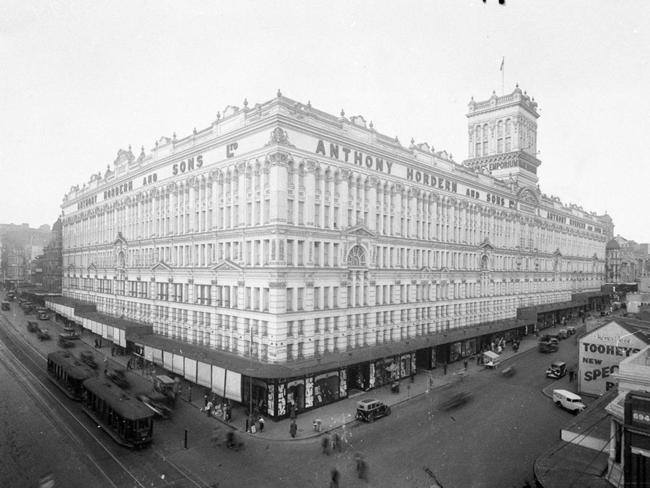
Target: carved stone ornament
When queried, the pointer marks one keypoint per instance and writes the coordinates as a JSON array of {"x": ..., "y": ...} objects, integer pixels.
[
  {"x": 279, "y": 136},
  {"x": 278, "y": 158}
]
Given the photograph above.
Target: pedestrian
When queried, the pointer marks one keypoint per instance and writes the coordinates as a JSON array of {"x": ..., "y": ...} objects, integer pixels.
[
  {"x": 444, "y": 368},
  {"x": 430, "y": 382},
  {"x": 261, "y": 422},
  {"x": 292, "y": 412},
  {"x": 205, "y": 400},
  {"x": 246, "y": 423},
  {"x": 228, "y": 412},
  {"x": 293, "y": 428},
  {"x": 360, "y": 466},
  {"x": 465, "y": 364},
  {"x": 334, "y": 482},
  {"x": 571, "y": 373},
  {"x": 325, "y": 444},
  {"x": 336, "y": 442},
  {"x": 478, "y": 359}
]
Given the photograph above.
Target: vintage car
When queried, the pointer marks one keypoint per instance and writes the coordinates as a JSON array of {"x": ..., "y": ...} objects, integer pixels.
[
  {"x": 88, "y": 358},
  {"x": 64, "y": 342},
  {"x": 32, "y": 326},
  {"x": 556, "y": 370},
  {"x": 454, "y": 400},
  {"x": 43, "y": 334},
  {"x": 370, "y": 409},
  {"x": 69, "y": 332},
  {"x": 571, "y": 330}
]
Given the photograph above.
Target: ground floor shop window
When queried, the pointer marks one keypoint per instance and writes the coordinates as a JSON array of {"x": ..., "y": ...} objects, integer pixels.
[
  {"x": 296, "y": 395},
  {"x": 326, "y": 388}
]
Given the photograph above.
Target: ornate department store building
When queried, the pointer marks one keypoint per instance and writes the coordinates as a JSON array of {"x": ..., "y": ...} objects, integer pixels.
[{"x": 299, "y": 256}]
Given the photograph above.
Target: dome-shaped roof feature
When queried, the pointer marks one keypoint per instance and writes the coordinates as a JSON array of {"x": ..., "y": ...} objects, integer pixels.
[{"x": 612, "y": 244}]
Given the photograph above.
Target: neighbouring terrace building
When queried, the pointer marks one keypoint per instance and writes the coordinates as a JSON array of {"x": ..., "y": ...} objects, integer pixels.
[{"x": 285, "y": 256}]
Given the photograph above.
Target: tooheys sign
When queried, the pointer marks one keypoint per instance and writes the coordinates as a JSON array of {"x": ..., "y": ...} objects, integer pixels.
[{"x": 600, "y": 353}]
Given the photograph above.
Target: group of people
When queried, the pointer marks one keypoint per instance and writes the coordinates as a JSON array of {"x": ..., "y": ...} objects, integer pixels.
[
  {"x": 333, "y": 443},
  {"x": 215, "y": 409}
]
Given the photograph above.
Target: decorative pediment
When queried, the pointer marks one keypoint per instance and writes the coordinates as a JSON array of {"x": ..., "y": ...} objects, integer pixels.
[
  {"x": 226, "y": 265},
  {"x": 161, "y": 266},
  {"x": 120, "y": 240},
  {"x": 92, "y": 268},
  {"x": 486, "y": 245},
  {"x": 124, "y": 156},
  {"x": 427, "y": 269},
  {"x": 528, "y": 195},
  {"x": 360, "y": 230},
  {"x": 557, "y": 253}
]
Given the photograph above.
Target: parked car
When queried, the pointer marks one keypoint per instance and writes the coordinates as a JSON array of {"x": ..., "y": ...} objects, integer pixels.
[
  {"x": 568, "y": 400},
  {"x": 6, "y": 306},
  {"x": 64, "y": 342},
  {"x": 562, "y": 334},
  {"x": 43, "y": 334},
  {"x": 70, "y": 333},
  {"x": 571, "y": 330},
  {"x": 43, "y": 316},
  {"x": 118, "y": 376},
  {"x": 556, "y": 370},
  {"x": 32, "y": 326},
  {"x": 88, "y": 358},
  {"x": 370, "y": 409}
]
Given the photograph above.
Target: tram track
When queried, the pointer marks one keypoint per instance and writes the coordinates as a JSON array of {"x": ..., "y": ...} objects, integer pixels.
[{"x": 118, "y": 466}]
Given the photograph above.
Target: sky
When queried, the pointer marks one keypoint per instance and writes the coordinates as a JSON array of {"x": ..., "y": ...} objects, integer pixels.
[{"x": 79, "y": 80}]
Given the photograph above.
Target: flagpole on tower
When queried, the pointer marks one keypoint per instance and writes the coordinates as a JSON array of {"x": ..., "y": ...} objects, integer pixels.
[{"x": 503, "y": 74}]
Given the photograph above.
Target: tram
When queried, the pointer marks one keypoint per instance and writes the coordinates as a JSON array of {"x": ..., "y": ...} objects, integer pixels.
[
  {"x": 68, "y": 373},
  {"x": 123, "y": 417}
]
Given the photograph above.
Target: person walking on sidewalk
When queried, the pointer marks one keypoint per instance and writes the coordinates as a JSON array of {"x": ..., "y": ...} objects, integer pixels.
[
  {"x": 444, "y": 368},
  {"x": 261, "y": 422},
  {"x": 293, "y": 428},
  {"x": 465, "y": 363}
]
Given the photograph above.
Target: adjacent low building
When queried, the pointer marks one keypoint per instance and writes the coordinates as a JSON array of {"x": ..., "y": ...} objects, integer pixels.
[
  {"x": 283, "y": 256},
  {"x": 629, "y": 453}
]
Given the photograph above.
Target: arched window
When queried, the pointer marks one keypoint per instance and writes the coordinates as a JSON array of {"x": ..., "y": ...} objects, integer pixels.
[
  {"x": 477, "y": 140},
  {"x": 484, "y": 262},
  {"x": 507, "y": 146},
  {"x": 357, "y": 256}
]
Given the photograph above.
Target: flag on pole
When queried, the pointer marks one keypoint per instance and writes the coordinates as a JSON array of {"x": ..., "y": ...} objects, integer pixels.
[{"x": 502, "y": 61}]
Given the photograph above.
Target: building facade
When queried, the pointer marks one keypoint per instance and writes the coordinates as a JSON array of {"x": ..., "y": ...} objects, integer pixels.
[
  {"x": 289, "y": 236},
  {"x": 20, "y": 245},
  {"x": 52, "y": 261}
]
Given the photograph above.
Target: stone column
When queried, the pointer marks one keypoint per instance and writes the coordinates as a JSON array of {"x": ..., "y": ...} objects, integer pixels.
[
  {"x": 310, "y": 191},
  {"x": 343, "y": 198},
  {"x": 278, "y": 184},
  {"x": 397, "y": 209},
  {"x": 372, "y": 204}
]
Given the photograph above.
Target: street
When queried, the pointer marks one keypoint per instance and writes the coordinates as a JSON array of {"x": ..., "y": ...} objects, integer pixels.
[{"x": 492, "y": 440}]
